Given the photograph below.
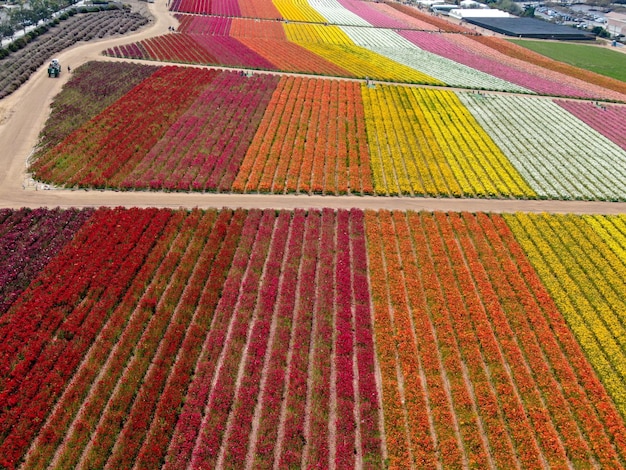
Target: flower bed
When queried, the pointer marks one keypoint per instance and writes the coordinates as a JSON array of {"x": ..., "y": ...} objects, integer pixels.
[
  {"x": 166, "y": 339},
  {"x": 327, "y": 153},
  {"x": 556, "y": 153},
  {"x": 448, "y": 306}
]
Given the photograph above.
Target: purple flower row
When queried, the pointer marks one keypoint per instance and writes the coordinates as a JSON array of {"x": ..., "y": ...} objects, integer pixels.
[{"x": 29, "y": 239}]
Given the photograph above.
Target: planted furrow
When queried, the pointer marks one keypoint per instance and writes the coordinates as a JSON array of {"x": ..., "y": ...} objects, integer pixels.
[
  {"x": 368, "y": 398},
  {"x": 279, "y": 139},
  {"x": 305, "y": 177},
  {"x": 553, "y": 320},
  {"x": 28, "y": 241},
  {"x": 253, "y": 164},
  {"x": 291, "y": 429},
  {"x": 499, "y": 344},
  {"x": 146, "y": 369},
  {"x": 161, "y": 367},
  {"x": 321, "y": 142},
  {"x": 299, "y": 148},
  {"x": 345, "y": 447},
  {"x": 585, "y": 314},
  {"x": 265, "y": 421},
  {"x": 90, "y": 414},
  {"x": 551, "y": 367},
  {"x": 237, "y": 433},
  {"x": 228, "y": 227},
  {"x": 74, "y": 312},
  {"x": 74, "y": 395},
  {"x": 189, "y": 420},
  {"x": 231, "y": 363},
  {"x": 411, "y": 439},
  {"x": 317, "y": 425}
]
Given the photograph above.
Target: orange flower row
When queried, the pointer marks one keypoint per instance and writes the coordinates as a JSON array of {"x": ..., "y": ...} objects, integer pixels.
[
  {"x": 527, "y": 309},
  {"x": 312, "y": 139},
  {"x": 457, "y": 303}
]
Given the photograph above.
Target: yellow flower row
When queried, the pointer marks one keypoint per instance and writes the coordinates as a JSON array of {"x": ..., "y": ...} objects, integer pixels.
[
  {"x": 612, "y": 229},
  {"x": 331, "y": 43},
  {"x": 579, "y": 271},
  {"x": 426, "y": 142},
  {"x": 316, "y": 34},
  {"x": 298, "y": 10},
  {"x": 378, "y": 153}
]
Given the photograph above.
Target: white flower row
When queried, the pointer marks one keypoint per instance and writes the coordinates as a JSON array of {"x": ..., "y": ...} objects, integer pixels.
[
  {"x": 558, "y": 154},
  {"x": 335, "y": 13},
  {"x": 391, "y": 44}
]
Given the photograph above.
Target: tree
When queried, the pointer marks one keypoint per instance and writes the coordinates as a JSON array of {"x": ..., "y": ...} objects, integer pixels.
[
  {"x": 600, "y": 32},
  {"x": 529, "y": 11},
  {"x": 7, "y": 30}
]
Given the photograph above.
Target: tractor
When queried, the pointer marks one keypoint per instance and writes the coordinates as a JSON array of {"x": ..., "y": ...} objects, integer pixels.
[{"x": 54, "y": 69}]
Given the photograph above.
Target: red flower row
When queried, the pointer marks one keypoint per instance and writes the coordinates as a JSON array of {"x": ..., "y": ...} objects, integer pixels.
[{"x": 41, "y": 350}]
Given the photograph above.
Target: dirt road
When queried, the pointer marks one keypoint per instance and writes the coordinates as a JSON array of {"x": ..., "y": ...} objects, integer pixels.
[{"x": 23, "y": 114}]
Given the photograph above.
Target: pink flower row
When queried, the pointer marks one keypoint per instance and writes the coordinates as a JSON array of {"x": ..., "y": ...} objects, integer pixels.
[
  {"x": 608, "y": 120},
  {"x": 205, "y": 147}
]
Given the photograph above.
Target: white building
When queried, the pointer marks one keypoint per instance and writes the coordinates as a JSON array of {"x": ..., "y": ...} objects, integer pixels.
[
  {"x": 615, "y": 23},
  {"x": 465, "y": 13}
]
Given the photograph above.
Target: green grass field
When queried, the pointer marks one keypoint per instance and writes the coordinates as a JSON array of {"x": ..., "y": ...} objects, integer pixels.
[{"x": 602, "y": 60}]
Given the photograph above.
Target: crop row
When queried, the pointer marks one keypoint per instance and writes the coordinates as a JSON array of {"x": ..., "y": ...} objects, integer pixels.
[
  {"x": 320, "y": 124},
  {"x": 556, "y": 153},
  {"x": 41, "y": 349},
  {"x": 127, "y": 130},
  {"x": 382, "y": 15},
  {"x": 520, "y": 57},
  {"x": 223, "y": 337},
  {"x": 334, "y": 137},
  {"x": 478, "y": 366},
  {"x": 582, "y": 263},
  {"x": 458, "y": 48},
  {"x": 425, "y": 142}
]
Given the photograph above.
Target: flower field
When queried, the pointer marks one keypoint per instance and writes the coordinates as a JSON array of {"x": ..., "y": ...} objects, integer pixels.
[
  {"x": 478, "y": 366},
  {"x": 424, "y": 142},
  {"x": 153, "y": 338},
  {"x": 320, "y": 124},
  {"x": 263, "y": 133},
  {"x": 581, "y": 263},
  {"x": 388, "y": 42},
  {"x": 559, "y": 155}
]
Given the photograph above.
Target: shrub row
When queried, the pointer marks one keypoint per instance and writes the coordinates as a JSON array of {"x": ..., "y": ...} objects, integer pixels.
[{"x": 26, "y": 54}]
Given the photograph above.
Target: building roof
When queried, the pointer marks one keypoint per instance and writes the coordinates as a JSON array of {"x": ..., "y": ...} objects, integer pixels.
[
  {"x": 530, "y": 28},
  {"x": 463, "y": 13}
]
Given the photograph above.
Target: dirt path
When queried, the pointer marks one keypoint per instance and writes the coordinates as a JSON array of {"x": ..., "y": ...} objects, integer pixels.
[{"x": 23, "y": 114}]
